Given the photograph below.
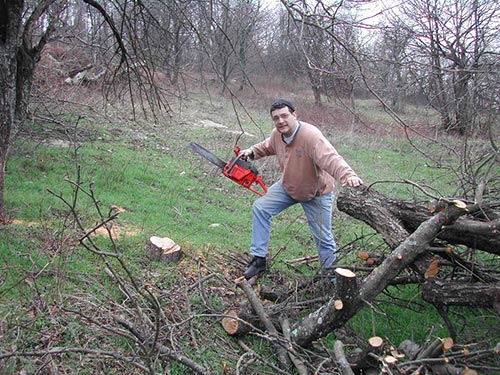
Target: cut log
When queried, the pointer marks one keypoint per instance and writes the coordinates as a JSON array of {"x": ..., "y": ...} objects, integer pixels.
[
  {"x": 322, "y": 321},
  {"x": 370, "y": 259},
  {"x": 390, "y": 360},
  {"x": 363, "y": 360},
  {"x": 435, "y": 349},
  {"x": 376, "y": 342},
  {"x": 234, "y": 322},
  {"x": 346, "y": 285},
  {"x": 459, "y": 293},
  {"x": 163, "y": 249}
]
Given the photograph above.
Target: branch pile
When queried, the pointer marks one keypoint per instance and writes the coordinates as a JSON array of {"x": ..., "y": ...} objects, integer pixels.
[{"x": 422, "y": 245}]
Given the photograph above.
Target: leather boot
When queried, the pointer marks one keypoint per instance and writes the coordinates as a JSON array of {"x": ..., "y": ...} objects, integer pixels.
[{"x": 256, "y": 266}]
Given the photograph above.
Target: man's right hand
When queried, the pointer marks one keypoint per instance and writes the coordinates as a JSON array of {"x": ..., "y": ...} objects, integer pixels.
[{"x": 247, "y": 153}]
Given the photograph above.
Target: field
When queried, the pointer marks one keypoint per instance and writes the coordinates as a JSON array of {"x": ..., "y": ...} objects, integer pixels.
[{"x": 57, "y": 295}]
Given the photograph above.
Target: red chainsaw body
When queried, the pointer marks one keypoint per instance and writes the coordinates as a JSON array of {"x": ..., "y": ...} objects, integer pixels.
[{"x": 244, "y": 173}]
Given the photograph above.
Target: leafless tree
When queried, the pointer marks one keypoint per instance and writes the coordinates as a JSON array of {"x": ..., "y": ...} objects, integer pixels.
[
  {"x": 453, "y": 53},
  {"x": 391, "y": 76},
  {"x": 328, "y": 40}
]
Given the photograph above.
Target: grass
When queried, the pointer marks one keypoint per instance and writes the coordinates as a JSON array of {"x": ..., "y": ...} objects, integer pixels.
[{"x": 165, "y": 190}]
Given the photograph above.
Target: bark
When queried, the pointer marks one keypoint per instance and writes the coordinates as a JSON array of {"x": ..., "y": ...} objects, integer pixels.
[
  {"x": 296, "y": 360},
  {"x": 20, "y": 49},
  {"x": 461, "y": 293},
  {"x": 10, "y": 23},
  {"x": 324, "y": 320},
  {"x": 345, "y": 367},
  {"x": 394, "y": 219}
]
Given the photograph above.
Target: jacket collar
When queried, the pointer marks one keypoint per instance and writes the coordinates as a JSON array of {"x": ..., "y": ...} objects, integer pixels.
[{"x": 290, "y": 139}]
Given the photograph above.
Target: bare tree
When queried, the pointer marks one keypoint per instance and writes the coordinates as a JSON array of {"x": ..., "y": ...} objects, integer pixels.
[
  {"x": 329, "y": 44},
  {"x": 26, "y": 28},
  {"x": 452, "y": 46},
  {"x": 22, "y": 38},
  {"x": 390, "y": 72}
]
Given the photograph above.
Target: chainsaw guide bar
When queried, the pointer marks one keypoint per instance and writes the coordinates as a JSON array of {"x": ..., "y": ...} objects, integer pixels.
[{"x": 202, "y": 151}]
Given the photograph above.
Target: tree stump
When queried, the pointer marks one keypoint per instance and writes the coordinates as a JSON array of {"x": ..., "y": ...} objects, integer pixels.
[{"x": 163, "y": 249}]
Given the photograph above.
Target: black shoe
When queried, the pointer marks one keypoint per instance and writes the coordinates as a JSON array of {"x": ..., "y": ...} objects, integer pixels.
[
  {"x": 327, "y": 275},
  {"x": 256, "y": 266}
]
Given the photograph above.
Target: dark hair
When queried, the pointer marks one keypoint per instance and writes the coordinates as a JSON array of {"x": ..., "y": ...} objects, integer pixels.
[{"x": 282, "y": 103}]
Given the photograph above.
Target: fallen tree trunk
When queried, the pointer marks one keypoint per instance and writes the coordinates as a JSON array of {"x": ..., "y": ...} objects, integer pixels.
[
  {"x": 324, "y": 320},
  {"x": 460, "y": 293},
  {"x": 393, "y": 218}
]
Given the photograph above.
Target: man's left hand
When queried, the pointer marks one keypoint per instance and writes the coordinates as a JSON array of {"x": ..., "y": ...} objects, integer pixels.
[{"x": 353, "y": 181}]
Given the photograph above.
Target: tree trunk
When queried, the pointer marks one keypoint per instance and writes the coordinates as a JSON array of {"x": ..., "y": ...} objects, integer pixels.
[
  {"x": 461, "y": 293},
  {"x": 10, "y": 21},
  {"x": 394, "y": 219}
]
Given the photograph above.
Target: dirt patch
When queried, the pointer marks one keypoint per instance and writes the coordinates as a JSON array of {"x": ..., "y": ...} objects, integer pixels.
[
  {"x": 115, "y": 230},
  {"x": 215, "y": 125}
]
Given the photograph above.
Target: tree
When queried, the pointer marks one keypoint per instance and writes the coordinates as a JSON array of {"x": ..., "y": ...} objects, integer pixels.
[
  {"x": 225, "y": 29},
  {"x": 22, "y": 38},
  {"x": 391, "y": 77},
  {"x": 26, "y": 28},
  {"x": 452, "y": 45},
  {"x": 329, "y": 43}
]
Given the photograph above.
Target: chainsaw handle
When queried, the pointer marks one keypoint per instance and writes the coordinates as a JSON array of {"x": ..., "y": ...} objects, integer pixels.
[{"x": 259, "y": 181}]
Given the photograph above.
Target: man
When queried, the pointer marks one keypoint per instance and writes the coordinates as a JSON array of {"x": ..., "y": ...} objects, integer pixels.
[{"x": 309, "y": 165}]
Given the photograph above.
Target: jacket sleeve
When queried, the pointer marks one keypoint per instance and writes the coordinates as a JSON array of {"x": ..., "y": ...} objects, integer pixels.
[
  {"x": 263, "y": 149},
  {"x": 329, "y": 160}
]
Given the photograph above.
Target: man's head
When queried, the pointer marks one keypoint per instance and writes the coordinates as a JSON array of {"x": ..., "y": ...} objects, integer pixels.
[
  {"x": 284, "y": 117},
  {"x": 282, "y": 103}
]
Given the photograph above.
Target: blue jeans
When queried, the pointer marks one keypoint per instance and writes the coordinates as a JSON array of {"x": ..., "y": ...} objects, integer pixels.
[{"x": 319, "y": 217}]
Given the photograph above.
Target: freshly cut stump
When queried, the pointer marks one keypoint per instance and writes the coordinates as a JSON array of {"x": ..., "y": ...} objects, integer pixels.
[{"x": 163, "y": 249}]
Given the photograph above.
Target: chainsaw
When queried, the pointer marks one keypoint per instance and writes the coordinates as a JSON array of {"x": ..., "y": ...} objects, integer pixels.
[{"x": 237, "y": 169}]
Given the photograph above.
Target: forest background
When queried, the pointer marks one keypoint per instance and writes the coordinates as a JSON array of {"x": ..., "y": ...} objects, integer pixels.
[{"x": 100, "y": 99}]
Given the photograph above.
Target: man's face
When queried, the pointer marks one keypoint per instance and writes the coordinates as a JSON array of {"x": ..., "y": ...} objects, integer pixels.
[{"x": 284, "y": 121}]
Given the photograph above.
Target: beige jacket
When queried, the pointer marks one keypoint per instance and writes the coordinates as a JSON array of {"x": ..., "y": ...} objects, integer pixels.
[{"x": 309, "y": 164}]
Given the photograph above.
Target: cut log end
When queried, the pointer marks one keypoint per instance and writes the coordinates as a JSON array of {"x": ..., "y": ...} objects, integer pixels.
[
  {"x": 231, "y": 325},
  {"x": 447, "y": 344},
  {"x": 459, "y": 204},
  {"x": 239, "y": 280},
  {"x": 376, "y": 341},
  {"x": 338, "y": 304},
  {"x": 390, "y": 360},
  {"x": 344, "y": 272}
]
